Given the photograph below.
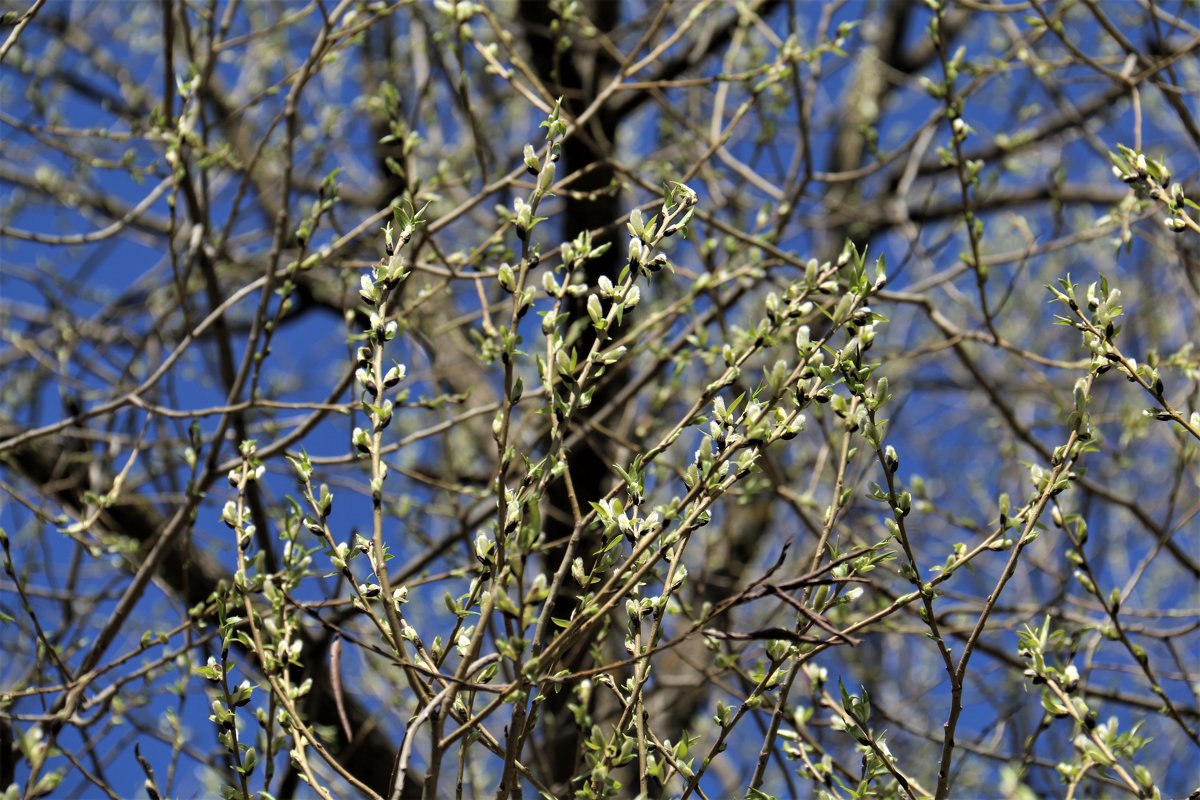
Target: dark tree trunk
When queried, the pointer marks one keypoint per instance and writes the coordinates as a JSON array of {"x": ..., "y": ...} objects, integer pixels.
[{"x": 577, "y": 74}]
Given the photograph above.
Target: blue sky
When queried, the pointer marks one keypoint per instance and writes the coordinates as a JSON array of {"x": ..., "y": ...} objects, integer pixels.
[{"x": 309, "y": 353}]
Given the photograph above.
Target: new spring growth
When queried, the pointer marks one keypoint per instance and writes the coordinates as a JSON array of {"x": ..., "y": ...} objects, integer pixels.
[{"x": 545, "y": 179}]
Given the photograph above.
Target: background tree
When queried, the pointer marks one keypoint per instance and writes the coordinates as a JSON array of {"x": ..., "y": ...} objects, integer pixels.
[{"x": 687, "y": 377}]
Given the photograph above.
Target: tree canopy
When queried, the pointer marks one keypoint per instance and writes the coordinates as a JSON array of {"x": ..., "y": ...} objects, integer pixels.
[{"x": 596, "y": 398}]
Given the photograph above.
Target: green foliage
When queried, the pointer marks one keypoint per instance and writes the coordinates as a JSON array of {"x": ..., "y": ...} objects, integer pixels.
[{"x": 683, "y": 363}]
